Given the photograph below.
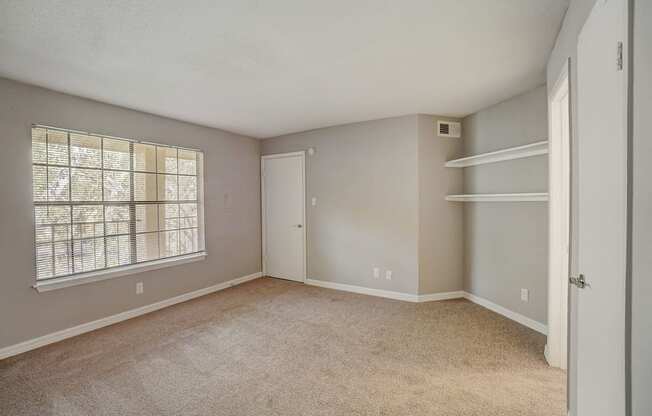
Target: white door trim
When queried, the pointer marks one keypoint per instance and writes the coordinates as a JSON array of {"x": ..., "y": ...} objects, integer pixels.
[
  {"x": 559, "y": 223},
  {"x": 302, "y": 155}
]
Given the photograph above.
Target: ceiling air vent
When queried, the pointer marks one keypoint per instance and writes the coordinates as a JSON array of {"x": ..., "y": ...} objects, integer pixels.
[{"x": 449, "y": 129}]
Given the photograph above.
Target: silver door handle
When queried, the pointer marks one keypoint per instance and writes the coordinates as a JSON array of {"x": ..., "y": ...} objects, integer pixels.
[{"x": 579, "y": 281}]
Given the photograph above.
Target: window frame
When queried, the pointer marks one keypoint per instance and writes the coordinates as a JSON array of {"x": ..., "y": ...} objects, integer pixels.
[{"x": 82, "y": 277}]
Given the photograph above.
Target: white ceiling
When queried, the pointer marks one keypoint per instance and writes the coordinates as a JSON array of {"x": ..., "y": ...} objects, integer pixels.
[{"x": 265, "y": 68}]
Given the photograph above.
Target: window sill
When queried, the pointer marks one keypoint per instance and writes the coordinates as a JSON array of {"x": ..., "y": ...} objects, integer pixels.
[{"x": 96, "y": 276}]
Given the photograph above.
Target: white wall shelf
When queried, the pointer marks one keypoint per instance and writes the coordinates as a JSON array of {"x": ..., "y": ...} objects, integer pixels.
[
  {"x": 518, "y": 152},
  {"x": 520, "y": 197}
]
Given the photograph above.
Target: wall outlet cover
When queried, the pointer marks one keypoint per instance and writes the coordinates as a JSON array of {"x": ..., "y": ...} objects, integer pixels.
[
  {"x": 376, "y": 272},
  {"x": 388, "y": 275},
  {"x": 525, "y": 295}
]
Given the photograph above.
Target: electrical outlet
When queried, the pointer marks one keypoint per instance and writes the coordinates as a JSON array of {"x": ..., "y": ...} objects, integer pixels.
[
  {"x": 376, "y": 272},
  {"x": 388, "y": 275},
  {"x": 525, "y": 295},
  {"x": 314, "y": 201},
  {"x": 139, "y": 288}
]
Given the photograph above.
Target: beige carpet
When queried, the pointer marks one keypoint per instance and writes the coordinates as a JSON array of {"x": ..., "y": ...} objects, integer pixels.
[{"x": 271, "y": 347}]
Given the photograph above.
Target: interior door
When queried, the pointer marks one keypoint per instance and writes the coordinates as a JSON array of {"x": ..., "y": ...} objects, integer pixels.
[
  {"x": 602, "y": 208},
  {"x": 283, "y": 200}
]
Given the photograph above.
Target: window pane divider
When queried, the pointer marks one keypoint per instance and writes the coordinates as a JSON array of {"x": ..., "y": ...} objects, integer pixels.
[
  {"x": 71, "y": 243},
  {"x": 106, "y": 252},
  {"x": 132, "y": 208}
]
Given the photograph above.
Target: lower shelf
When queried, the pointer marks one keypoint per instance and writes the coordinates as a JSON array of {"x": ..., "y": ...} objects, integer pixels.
[{"x": 522, "y": 197}]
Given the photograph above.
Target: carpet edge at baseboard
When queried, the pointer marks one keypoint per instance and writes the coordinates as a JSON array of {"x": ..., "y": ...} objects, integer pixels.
[
  {"x": 57, "y": 336},
  {"x": 409, "y": 297}
]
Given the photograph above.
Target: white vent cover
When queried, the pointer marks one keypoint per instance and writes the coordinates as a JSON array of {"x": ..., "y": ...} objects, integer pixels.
[{"x": 449, "y": 129}]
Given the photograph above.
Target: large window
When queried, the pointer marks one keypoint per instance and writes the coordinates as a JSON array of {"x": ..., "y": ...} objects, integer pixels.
[{"x": 103, "y": 202}]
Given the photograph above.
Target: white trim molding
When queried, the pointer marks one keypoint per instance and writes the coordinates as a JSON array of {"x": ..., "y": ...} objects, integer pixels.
[
  {"x": 105, "y": 274},
  {"x": 518, "y": 152},
  {"x": 113, "y": 319},
  {"x": 546, "y": 352},
  {"x": 123, "y": 316},
  {"x": 459, "y": 294},
  {"x": 407, "y": 297},
  {"x": 514, "y": 316},
  {"x": 559, "y": 172}
]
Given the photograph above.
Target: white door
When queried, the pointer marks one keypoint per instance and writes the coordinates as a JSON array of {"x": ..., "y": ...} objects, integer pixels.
[
  {"x": 283, "y": 205},
  {"x": 602, "y": 209}
]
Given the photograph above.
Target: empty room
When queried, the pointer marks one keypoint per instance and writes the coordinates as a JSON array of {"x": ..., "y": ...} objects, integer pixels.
[{"x": 298, "y": 208}]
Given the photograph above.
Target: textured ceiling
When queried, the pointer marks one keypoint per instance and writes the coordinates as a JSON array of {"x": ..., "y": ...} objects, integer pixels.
[{"x": 264, "y": 68}]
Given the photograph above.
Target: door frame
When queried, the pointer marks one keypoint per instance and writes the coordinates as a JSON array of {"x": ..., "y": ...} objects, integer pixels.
[
  {"x": 559, "y": 226},
  {"x": 302, "y": 156}
]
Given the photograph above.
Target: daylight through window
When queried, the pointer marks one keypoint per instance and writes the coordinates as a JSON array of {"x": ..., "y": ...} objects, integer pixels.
[{"x": 103, "y": 202}]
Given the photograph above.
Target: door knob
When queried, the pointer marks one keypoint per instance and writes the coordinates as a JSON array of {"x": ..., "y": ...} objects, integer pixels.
[{"x": 299, "y": 225}]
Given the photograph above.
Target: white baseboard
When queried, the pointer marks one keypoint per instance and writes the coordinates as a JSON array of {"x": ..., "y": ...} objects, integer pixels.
[
  {"x": 407, "y": 297},
  {"x": 521, "y": 319},
  {"x": 123, "y": 316},
  {"x": 440, "y": 296},
  {"x": 546, "y": 354}
]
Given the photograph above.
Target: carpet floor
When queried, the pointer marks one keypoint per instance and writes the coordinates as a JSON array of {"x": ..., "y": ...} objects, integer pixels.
[{"x": 272, "y": 347}]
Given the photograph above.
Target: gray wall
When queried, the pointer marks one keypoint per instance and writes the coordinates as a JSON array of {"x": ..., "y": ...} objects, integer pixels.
[
  {"x": 380, "y": 187},
  {"x": 441, "y": 250},
  {"x": 506, "y": 243},
  {"x": 232, "y": 174},
  {"x": 364, "y": 176},
  {"x": 642, "y": 207}
]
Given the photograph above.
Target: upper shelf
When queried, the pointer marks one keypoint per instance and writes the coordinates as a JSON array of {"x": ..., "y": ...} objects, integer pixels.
[{"x": 518, "y": 152}]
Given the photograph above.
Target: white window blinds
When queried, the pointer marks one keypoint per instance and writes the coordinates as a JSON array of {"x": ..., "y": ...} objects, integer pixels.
[{"x": 103, "y": 202}]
